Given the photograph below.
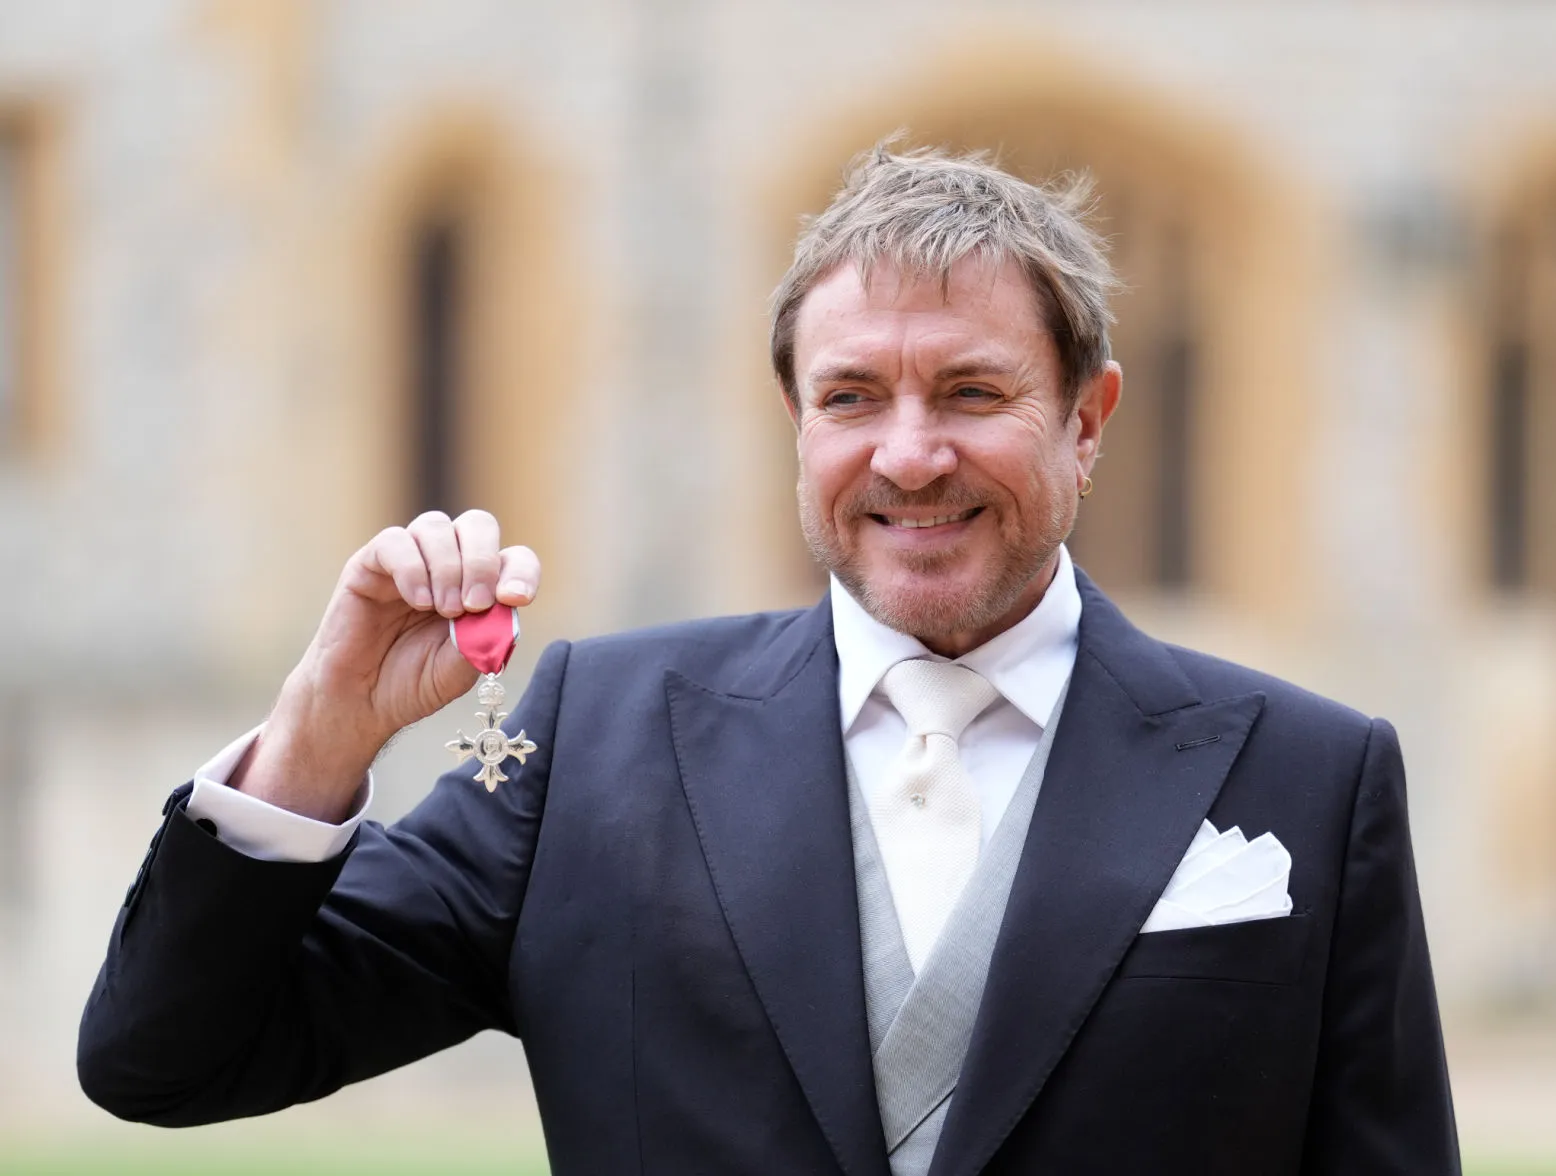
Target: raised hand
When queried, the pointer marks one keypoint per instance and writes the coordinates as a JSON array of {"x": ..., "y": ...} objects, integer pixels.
[{"x": 381, "y": 658}]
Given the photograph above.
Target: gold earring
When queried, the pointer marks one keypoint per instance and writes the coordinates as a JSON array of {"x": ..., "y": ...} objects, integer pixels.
[{"x": 1086, "y": 487}]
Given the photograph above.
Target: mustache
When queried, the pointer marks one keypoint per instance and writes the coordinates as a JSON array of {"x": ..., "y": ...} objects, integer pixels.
[{"x": 883, "y": 497}]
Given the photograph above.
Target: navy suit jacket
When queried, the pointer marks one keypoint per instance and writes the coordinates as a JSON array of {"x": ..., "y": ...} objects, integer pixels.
[{"x": 661, "y": 904}]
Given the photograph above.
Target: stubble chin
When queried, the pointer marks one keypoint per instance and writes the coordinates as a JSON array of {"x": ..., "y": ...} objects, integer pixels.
[
  {"x": 935, "y": 603},
  {"x": 930, "y": 596}
]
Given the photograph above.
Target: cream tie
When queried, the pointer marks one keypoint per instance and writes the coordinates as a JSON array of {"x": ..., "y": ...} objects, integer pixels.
[{"x": 926, "y": 817}]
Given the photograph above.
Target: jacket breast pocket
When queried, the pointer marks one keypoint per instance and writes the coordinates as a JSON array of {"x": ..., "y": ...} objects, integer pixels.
[{"x": 1261, "y": 951}]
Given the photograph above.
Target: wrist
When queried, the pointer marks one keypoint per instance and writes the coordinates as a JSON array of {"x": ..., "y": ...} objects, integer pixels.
[
  {"x": 312, "y": 756},
  {"x": 329, "y": 721}
]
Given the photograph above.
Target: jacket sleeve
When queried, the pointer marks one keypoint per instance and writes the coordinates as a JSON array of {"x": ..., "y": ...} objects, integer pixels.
[
  {"x": 236, "y": 987},
  {"x": 1381, "y": 1103}
]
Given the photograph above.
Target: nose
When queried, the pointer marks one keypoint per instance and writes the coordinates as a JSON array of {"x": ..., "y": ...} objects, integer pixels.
[{"x": 910, "y": 450}]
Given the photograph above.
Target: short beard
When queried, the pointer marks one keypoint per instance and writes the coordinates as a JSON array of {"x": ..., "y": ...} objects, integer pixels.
[{"x": 938, "y": 617}]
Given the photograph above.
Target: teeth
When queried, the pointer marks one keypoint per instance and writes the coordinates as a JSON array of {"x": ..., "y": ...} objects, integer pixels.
[{"x": 935, "y": 522}]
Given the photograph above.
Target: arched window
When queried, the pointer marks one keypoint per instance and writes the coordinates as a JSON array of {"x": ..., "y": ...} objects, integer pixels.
[
  {"x": 437, "y": 283},
  {"x": 1521, "y": 424},
  {"x": 1139, "y": 530},
  {"x": 1199, "y": 490},
  {"x": 11, "y": 331},
  {"x": 26, "y": 271},
  {"x": 460, "y": 315}
]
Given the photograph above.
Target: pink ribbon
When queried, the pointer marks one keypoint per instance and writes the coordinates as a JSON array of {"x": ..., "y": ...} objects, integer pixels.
[{"x": 485, "y": 639}]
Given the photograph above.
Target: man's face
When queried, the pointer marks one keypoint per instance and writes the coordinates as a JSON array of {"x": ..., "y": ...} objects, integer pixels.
[{"x": 939, "y": 469}]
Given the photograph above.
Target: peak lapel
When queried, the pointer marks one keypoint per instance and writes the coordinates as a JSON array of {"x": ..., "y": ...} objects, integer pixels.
[
  {"x": 764, "y": 778},
  {"x": 1119, "y": 805}
]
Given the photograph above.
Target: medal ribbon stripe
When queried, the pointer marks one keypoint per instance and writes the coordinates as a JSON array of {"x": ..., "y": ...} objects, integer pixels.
[{"x": 486, "y": 639}]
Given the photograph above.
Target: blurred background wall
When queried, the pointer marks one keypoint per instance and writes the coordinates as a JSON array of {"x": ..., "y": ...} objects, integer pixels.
[{"x": 275, "y": 274}]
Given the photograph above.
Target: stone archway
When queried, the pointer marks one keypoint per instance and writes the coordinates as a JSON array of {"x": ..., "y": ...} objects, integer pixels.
[
  {"x": 1199, "y": 488},
  {"x": 462, "y": 306},
  {"x": 1517, "y": 417}
]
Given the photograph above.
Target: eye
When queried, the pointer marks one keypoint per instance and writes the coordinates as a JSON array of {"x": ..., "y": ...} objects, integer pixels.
[
  {"x": 843, "y": 398},
  {"x": 975, "y": 392}
]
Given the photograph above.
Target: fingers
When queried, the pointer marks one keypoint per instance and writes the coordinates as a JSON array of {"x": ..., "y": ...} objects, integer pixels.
[
  {"x": 520, "y": 578},
  {"x": 394, "y": 553},
  {"x": 439, "y": 547},
  {"x": 453, "y": 566},
  {"x": 476, "y": 532}
]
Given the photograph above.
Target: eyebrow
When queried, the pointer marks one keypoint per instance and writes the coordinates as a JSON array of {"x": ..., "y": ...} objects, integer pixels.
[
  {"x": 853, "y": 373},
  {"x": 846, "y": 373},
  {"x": 970, "y": 368}
]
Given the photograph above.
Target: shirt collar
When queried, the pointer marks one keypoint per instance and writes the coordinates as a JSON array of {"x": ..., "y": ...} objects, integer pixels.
[{"x": 1027, "y": 663}]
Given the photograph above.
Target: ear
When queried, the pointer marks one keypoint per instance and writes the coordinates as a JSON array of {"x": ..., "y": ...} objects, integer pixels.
[{"x": 1095, "y": 404}]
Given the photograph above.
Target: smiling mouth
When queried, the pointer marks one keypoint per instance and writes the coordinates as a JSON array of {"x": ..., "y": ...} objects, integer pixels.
[{"x": 937, "y": 521}]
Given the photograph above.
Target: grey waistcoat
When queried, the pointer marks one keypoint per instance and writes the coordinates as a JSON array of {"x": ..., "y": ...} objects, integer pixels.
[{"x": 920, "y": 1025}]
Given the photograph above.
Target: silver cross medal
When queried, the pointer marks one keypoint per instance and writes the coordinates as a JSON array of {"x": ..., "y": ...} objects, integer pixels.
[{"x": 486, "y": 641}]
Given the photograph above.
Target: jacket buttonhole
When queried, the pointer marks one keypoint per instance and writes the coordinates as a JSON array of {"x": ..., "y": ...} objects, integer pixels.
[{"x": 1198, "y": 742}]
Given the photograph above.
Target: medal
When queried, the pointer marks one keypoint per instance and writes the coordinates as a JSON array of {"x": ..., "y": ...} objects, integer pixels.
[{"x": 485, "y": 640}]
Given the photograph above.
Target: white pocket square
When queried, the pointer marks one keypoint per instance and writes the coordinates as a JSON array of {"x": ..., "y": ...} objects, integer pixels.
[{"x": 1225, "y": 878}]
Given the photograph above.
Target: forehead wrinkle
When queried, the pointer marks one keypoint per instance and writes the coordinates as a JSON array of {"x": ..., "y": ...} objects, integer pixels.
[
  {"x": 960, "y": 350},
  {"x": 876, "y": 336}
]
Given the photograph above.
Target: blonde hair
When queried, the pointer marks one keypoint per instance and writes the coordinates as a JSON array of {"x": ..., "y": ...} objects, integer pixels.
[{"x": 922, "y": 211}]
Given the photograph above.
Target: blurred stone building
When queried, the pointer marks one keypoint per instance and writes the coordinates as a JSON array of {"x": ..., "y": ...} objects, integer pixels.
[{"x": 275, "y": 274}]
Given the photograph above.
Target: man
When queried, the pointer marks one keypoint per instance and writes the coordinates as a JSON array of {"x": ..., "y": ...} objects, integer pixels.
[{"x": 956, "y": 872}]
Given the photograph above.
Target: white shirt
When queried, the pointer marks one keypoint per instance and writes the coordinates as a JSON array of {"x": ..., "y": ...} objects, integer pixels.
[
  {"x": 262, "y": 830},
  {"x": 1028, "y": 664}
]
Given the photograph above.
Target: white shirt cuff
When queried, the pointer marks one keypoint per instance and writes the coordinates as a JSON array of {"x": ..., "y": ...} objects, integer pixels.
[{"x": 261, "y": 830}]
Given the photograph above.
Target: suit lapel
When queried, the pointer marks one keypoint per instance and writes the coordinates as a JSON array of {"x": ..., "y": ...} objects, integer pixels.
[
  {"x": 1137, "y": 762},
  {"x": 762, "y": 767}
]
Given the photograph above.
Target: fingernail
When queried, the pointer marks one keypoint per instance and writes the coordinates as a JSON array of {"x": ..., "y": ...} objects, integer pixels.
[
  {"x": 479, "y": 598},
  {"x": 517, "y": 588},
  {"x": 421, "y": 598}
]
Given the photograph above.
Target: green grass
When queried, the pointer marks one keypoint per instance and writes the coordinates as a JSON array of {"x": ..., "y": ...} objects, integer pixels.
[{"x": 261, "y": 1149}]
